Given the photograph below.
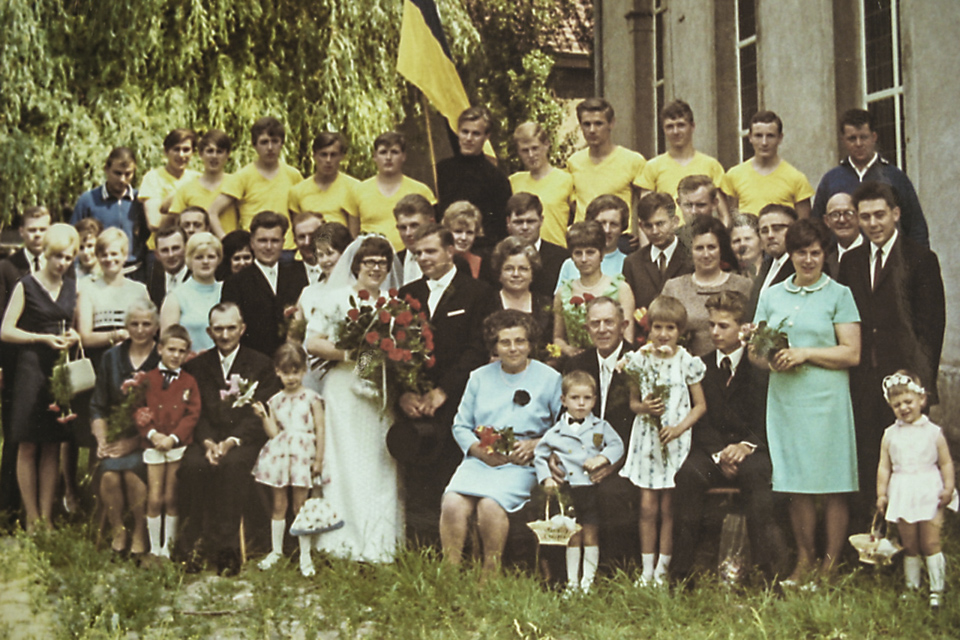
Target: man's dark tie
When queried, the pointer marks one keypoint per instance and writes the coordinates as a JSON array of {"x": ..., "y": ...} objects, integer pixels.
[
  {"x": 36, "y": 264},
  {"x": 168, "y": 377},
  {"x": 727, "y": 369},
  {"x": 877, "y": 266},
  {"x": 662, "y": 264}
]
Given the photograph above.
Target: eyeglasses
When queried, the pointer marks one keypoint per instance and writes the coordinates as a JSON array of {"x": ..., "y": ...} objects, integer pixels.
[
  {"x": 513, "y": 270},
  {"x": 846, "y": 214},
  {"x": 375, "y": 263}
]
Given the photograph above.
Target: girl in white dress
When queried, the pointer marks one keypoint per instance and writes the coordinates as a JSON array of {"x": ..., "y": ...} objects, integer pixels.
[
  {"x": 294, "y": 453},
  {"x": 915, "y": 480},
  {"x": 665, "y": 378}
]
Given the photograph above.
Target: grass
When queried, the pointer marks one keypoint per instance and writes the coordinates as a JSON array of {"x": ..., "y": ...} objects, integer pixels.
[{"x": 95, "y": 597}]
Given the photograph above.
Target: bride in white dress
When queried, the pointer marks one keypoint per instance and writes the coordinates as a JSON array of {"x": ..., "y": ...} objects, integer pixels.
[{"x": 364, "y": 480}]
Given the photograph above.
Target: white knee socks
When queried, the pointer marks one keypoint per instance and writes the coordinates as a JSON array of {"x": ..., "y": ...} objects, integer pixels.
[
  {"x": 660, "y": 573},
  {"x": 591, "y": 558},
  {"x": 169, "y": 532},
  {"x": 277, "y": 527},
  {"x": 573, "y": 567},
  {"x": 647, "y": 564},
  {"x": 306, "y": 562},
  {"x": 911, "y": 571},
  {"x": 153, "y": 530},
  {"x": 936, "y": 571}
]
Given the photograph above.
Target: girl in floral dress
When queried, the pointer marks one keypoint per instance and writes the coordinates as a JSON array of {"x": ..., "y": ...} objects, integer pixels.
[
  {"x": 665, "y": 379},
  {"x": 294, "y": 453}
]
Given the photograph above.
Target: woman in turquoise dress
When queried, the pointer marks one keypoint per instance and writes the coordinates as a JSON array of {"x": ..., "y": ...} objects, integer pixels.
[
  {"x": 586, "y": 241},
  {"x": 189, "y": 304},
  {"x": 810, "y": 428},
  {"x": 517, "y": 392}
]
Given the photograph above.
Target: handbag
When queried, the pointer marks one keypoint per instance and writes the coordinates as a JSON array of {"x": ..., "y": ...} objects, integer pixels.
[
  {"x": 317, "y": 515},
  {"x": 80, "y": 373}
]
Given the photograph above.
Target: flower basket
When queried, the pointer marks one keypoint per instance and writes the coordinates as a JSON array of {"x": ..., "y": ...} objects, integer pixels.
[
  {"x": 556, "y": 530},
  {"x": 875, "y": 548}
]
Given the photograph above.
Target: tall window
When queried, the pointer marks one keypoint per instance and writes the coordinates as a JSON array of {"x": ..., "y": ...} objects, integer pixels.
[
  {"x": 747, "y": 70},
  {"x": 659, "y": 83},
  {"x": 883, "y": 76}
]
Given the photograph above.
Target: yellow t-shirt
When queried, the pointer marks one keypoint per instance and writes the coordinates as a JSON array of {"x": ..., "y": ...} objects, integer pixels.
[
  {"x": 784, "y": 185},
  {"x": 160, "y": 183},
  {"x": 194, "y": 194},
  {"x": 664, "y": 173},
  {"x": 375, "y": 210},
  {"x": 555, "y": 191},
  {"x": 334, "y": 204},
  {"x": 255, "y": 194},
  {"x": 616, "y": 175}
]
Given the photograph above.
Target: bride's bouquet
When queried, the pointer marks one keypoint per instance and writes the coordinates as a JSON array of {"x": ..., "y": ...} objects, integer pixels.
[{"x": 391, "y": 343}]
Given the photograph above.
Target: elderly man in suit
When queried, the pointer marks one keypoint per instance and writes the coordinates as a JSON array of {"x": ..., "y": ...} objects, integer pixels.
[
  {"x": 841, "y": 218},
  {"x": 34, "y": 222},
  {"x": 619, "y": 502},
  {"x": 265, "y": 290},
  {"x": 773, "y": 221},
  {"x": 729, "y": 444},
  {"x": 454, "y": 303},
  {"x": 665, "y": 257},
  {"x": 215, "y": 483},
  {"x": 899, "y": 292}
]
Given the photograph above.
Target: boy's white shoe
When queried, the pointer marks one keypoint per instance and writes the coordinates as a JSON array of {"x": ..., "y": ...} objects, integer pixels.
[
  {"x": 307, "y": 569},
  {"x": 267, "y": 563},
  {"x": 164, "y": 552}
]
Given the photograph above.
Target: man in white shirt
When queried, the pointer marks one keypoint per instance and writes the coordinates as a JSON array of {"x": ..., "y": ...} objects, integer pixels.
[
  {"x": 304, "y": 224},
  {"x": 841, "y": 218},
  {"x": 524, "y": 221},
  {"x": 774, "y": 220},
  {"x": 412, "y": 212},
  {"x": 169, "y": 270}
]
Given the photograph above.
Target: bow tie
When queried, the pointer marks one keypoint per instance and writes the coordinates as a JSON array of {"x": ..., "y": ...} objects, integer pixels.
[
  {"x": 168, "y": 376},
  {"x": 575, "y": 421}
]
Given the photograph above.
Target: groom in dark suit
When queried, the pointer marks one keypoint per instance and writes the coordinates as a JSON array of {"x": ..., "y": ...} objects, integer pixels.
[
  {"x": 215, "y": 482},
  {"x": 899, "y": 292},
  {"x": 619, "y": 503},
  {"x": 454, "y": 303},
  {"x": 773, "y": 221},
  {"x": 265, "y": 289}
]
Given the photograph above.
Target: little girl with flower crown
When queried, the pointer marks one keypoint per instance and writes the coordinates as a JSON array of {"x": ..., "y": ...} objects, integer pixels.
[
  {"x": 665, "y": 383},
  {"x": 915, "y": 480}
]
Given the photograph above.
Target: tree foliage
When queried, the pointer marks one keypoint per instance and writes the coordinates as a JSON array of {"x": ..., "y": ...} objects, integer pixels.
[{"x": 81, "y": 77}]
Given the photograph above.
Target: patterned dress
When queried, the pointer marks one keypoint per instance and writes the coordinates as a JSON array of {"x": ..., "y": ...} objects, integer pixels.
[
  {"x": 649, "y": 464},
  {"x": 287, "y": 458}
]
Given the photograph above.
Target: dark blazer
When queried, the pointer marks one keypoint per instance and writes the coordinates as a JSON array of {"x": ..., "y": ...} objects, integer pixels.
[
  {"x": 785, "y": 272},
  {"x": 618, "y": 412},
  {"x": 458, "y": 332},
  {"x": 643, "y": 275},
  {"x": 735, "y": 413},
  {"x": 157, "y": 283},
  {"x": 262, "y": 310},
  {"x": 11, "y": 270},
  {"x": 551, "y": 260},
  {"x": 902, "y": 321},
  {"x": 218, "y": 421}
]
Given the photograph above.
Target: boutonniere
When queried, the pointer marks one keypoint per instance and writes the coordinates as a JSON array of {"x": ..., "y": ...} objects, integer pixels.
[
  {"x": 239, "y": 392},
  {"x": 521, "y": 398},
  {"x": 598, "y": 440},
  {"x": 186, "y": 395}
]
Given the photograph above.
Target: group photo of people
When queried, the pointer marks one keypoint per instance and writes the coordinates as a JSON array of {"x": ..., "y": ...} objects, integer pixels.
[{"x": 295, "y": 368}]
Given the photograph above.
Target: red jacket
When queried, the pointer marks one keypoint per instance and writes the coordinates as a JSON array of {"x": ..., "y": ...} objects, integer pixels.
[{"x": 175, "y": 410}]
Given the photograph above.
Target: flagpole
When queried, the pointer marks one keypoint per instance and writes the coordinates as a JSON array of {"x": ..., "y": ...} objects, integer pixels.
[{"x": 433, "y": 153}]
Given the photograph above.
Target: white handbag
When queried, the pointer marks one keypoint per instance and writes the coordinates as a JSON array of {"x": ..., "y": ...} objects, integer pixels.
[{"x": 80, "y": 373}]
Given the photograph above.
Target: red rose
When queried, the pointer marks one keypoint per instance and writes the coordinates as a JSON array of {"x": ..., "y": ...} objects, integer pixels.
[
  {"x": 143, "y": 417},
  {"x": 364, "y": 294},
  {"x": 428, "y": 343},
  {"x": 53, "y": 407},
  {"x": 401, "y": 335},
  {"x": 431, "y": 361},
  {"x": 404, "y": 318},
  {"x": 381, "y": 301},
  {"x": 289, "y": 311},
  {"x": 372, "y": 337},
  {"x": 393, "y": 292},
  {"x": 353, "y": 314},
  {"x": 396, "y": 355},
  {"x": 413, "y": 302},
  {"x": 387, "y": 345},
  {"x": 385, "y": 317},
  {"x": 588, "y": 297},
  {"x": 407, "y": 356},
  {"x": 576, "y": 301}
]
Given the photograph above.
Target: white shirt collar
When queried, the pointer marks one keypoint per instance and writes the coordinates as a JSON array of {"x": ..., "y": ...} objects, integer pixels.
[
  {"x": 887, "y": 247},
  {"x": 442, "y": 282},
  {"x": 853, "y": 245},
  {"x": 655, "y": 251},
  {"x": 270, "y": 273},
  {"x": 735, "y": 358},
  {"x": 40, "y": 258},
  {"x": 860, "y": 173},
  {"x": 611, "y": 359},
  {"x": 127, "y": 195},
  {"x": 538, "y": 243},
  {"x": 313, "y": 272},
  {"x": 176, "y": 278},
  {"x": 226, "y": 361}
]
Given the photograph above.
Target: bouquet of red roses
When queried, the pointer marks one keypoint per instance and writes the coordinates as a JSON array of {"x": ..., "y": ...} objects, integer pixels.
[
  {"x": 496, "y": 440},
  {"x": 391, "y": 342},
  {"x": 132, "y": 410}
]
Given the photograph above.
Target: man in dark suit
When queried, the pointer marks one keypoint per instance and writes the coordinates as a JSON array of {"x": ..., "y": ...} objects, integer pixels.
[
  {"x": 215, "y": 482},
  {"x": 411, "y": 212},
  {"x": 665, "y": 257},
  {"x": 169, "y": 270},
  {"x": 266, "y": 289},
  {"x": 899, "y": 292},
  {"x": 524, "y": 219},
  {"x": 304, "y": 225},
  {"x": 729, "y": 444},
  {"x": 619, "y": 500},
  {"x": 28, "y": 259},
  {"x": 841, "y": 219},
  {"x": 454, "y": 303},
  {"x": 773, "y": 222}
]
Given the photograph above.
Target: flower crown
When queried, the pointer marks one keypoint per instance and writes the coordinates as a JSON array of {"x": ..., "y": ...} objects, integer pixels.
[{"x": 900, "y": 380}]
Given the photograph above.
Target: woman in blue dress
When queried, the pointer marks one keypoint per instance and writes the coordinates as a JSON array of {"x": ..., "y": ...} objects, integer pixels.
[
  {"x": 810, "y": 429},
  {"x": 39, "y": 318},
  {"x": 190, "y": 303},
  {"x": 515, "y": 391}
]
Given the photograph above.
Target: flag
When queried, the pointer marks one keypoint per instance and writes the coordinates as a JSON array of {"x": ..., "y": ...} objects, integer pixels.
[{"x": 424, "y": 59}]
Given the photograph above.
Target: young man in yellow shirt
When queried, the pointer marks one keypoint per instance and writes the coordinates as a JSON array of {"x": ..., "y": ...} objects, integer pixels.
[{"x": 329, "y": 192}]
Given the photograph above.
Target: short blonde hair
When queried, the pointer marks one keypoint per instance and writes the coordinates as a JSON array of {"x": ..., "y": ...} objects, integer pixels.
[
  {"x": 668, "y": 310},
  {"x": 460, "y": 214},
  {"x": 109, "y": 237},
  {"x": 60, "y": 237},
  {"x": 203, "y": 240}
]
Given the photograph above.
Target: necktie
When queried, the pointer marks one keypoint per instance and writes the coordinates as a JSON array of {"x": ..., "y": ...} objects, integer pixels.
[
  {"x": 36, "y": 264},
  {"x": 168, "y": 377},
  {"x": 877, "y": 266},
  {"x": 662, "y": 264},
  {"x": 573, "y": 421},
  {"x": 727, "y": 369}
]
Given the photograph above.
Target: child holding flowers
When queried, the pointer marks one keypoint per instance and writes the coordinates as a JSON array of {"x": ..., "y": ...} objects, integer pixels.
[
  {"x": 294, "y": 453},
  {"x": 915, "y": 480},
  {"x": 166, "y": 425},
  {"x": 668, "y": 400}
]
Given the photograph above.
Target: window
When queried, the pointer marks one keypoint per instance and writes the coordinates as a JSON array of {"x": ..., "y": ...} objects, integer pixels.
[
  {"x": 747, "y": 70},
  {"x": 883, "y": 76},
  {"x": 659, "y": 83}
]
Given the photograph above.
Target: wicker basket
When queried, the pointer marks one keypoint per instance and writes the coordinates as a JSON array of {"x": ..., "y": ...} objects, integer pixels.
[
  {"x": 875, "y": 548},
  {"x": 555, "y": 531}
]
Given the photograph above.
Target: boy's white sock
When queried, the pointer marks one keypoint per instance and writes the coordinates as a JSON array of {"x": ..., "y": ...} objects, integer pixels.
[
  {"x": 663, "y": 563},
  {"x": 936, "y": 572},
  {"x": 573, "y": 567},
  {"x": 153, "y": 530},
  {"x": 169, "y": 530},
  {"x": 647, "y": 564},
  {"x": 591, "y": 558},
  {"x": 306, "y": 562},
  {"x": 277, "y": 527},
  {"x": 911, "y": 571}
]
